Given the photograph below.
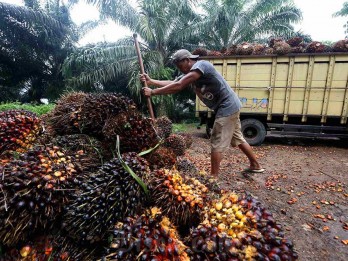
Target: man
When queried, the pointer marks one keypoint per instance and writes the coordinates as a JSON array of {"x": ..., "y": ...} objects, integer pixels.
[{"x": 216, "y": 94}]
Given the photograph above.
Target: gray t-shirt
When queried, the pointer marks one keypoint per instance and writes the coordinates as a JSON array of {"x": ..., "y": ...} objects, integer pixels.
[{"x": 215, "y": 91}]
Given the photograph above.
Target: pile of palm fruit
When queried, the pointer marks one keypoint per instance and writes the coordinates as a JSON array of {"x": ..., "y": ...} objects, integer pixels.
[
  {"x": 277, "y": 46},
  {"x": 103, "y": 182}
]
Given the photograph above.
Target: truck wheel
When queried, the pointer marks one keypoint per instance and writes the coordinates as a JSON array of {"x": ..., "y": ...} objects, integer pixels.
[
  {"x": 208, "y": 130},
  {"x": 209, "y": 126},
  {"x": 253, "y": 131}
]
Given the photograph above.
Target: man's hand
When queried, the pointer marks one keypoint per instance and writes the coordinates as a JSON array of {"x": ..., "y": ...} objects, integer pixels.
[
  {"x": 147, "y": 91},
  {"x": 145, "y": 78}
]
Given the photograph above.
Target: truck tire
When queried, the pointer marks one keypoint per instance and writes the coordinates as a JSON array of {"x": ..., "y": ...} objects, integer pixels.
[
  {"x": 253, "y": 131},
  {"x": 209, "y": 126},
  {"x": 208, "y": 130}
]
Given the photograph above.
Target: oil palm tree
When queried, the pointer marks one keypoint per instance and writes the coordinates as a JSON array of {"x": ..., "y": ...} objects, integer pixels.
[
  {"x": 35, "y": 39},
  {"x": 228, "y": 22},
  {"x": 343, "y": 12},
  {"x": 157, "y": 22}
]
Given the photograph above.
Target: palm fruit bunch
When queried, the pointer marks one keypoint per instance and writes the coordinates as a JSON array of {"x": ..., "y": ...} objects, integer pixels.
[
  {"x": 273, "y": 40},
  {"x": 34, "y": 189},
  {"x": 162, "y": 157},
  {"x": 200, "y": 52},
  {"x": 258, "y": 49},
  {"x": 231, "y": 50},
  {"x": 18, "y": 130},
  {"x": 214, "y": 53},
  {"x": 189, "y": 169},
  {"x": 65, "y": 118},
  {"x": 244, "y": 49},
  {"x": 340, "y": 46},
  {"x": 49, "y": 247},
  {"x": 180, "y": 198},
  {"x": 187, "y": 137},
  {"x": 177, "y": 143},
  {"x": 150, "y": 236},
  {"x": 238, "y": 227},
  {"x": 105, "y": 198},
  {"x": 295, "y": 41},
  {"x": 281, "y": 48},
  {"x": 89, "y": 150},
  {"x": 136, "y": 132},
  {"x": 298, "y": 49},
  {"x": 268, "y": 51},
  {"x": 316, "y": 47},
  {"x": 206, "y": 243},
  {"x": 163, "y": 127},
  {"x": 98, "y": 108}
]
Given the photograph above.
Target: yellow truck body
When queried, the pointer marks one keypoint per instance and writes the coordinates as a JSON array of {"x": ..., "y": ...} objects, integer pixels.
[{"x": 295, "y": 94}]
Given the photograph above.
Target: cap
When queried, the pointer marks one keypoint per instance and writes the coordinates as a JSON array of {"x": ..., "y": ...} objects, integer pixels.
[{"x": 182, "y": 54}]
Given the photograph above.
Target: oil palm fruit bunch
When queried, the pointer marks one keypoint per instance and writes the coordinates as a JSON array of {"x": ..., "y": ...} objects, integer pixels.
[
  {"x": 297, "y": 49},
  {"x": 89, "y": 150},
  {"x": 150, "y": 236},
  {"x": 187, "y": 137},
  {"x": 340, "y": 46},
  {"x": 34, "y": 189},
  {"x": 214, "y": 53},
  {"x": 205, "y": 242},
  {"x": 189, "y": 169},
  {"x": 180, "y": 198},
  {"x": 274, "y": 40},
  {"x": 231, "y": 50},
  {"x": 249, "y": 225},
  {"x": 49, "y": 247},
  {"x": 18, "y": 130},
  {"x": 105, "y": 198},
  {"x": 65, "y": 118},
  {"x": 295, "y": 41},
  {"x": 136, "y": 132},
  {"x": 98, "y": 108},
  {"x": 163, "y": 127},
  {"x": 268, "y": 51},
  {"x": 162, "y": 157},
  {"x": 177, "y": 143},
  {"x": 258, "y": 49},
  {"x": 316, "y": 47},
  {"x": 244, "y": 49},
  {"x": 200, "y": 52},
  {"x": 281, "y": 48}
]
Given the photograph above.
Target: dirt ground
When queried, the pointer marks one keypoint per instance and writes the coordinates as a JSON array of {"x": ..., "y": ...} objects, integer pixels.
[{"x": 304, "y": 186}]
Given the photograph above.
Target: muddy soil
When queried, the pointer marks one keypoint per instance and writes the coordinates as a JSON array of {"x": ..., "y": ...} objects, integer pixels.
[{"x": 304, "y": 186}]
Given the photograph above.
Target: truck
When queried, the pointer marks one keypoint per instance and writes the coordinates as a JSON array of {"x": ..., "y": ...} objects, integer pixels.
[{"x": 303, "y": 94}]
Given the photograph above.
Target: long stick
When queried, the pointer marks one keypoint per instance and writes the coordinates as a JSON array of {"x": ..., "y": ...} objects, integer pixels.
[{"x": 149, "y": 104}]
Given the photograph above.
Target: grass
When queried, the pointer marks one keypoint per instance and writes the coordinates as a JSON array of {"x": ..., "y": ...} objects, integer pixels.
[
  {"x": 38, "y": 109},
  {"x": 183, "y": 127}
]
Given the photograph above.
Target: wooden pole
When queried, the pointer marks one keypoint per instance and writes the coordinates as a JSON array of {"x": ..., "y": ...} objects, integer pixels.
[{"x": 148, "y": 99}]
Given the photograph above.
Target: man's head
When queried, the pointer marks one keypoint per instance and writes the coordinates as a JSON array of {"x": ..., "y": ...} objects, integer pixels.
[{"x": 181, "y": 59}]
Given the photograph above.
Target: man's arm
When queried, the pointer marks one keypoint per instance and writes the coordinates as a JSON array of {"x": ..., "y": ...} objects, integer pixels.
[
  {"x": 149, "y": 81},
  {"x": 174, "y": 87}
]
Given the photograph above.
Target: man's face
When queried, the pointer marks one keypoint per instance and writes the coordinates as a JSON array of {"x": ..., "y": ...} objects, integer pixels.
[{"x": 183, "y": 65}]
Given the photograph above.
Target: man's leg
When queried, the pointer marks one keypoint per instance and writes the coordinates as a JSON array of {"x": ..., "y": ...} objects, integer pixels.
[
  {"x": 220, "y": 141},
  {"x": 216, "y": 158},
  {"x": 248, "y": 151},
  {"x": 238, "y": 140}
]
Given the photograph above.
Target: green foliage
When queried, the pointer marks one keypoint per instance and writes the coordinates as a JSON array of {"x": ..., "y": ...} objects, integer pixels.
[
  {"x": 38, "y": 109},
  {"x": 184, "y": 127},
  {"x": 228, "y": 22}
]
